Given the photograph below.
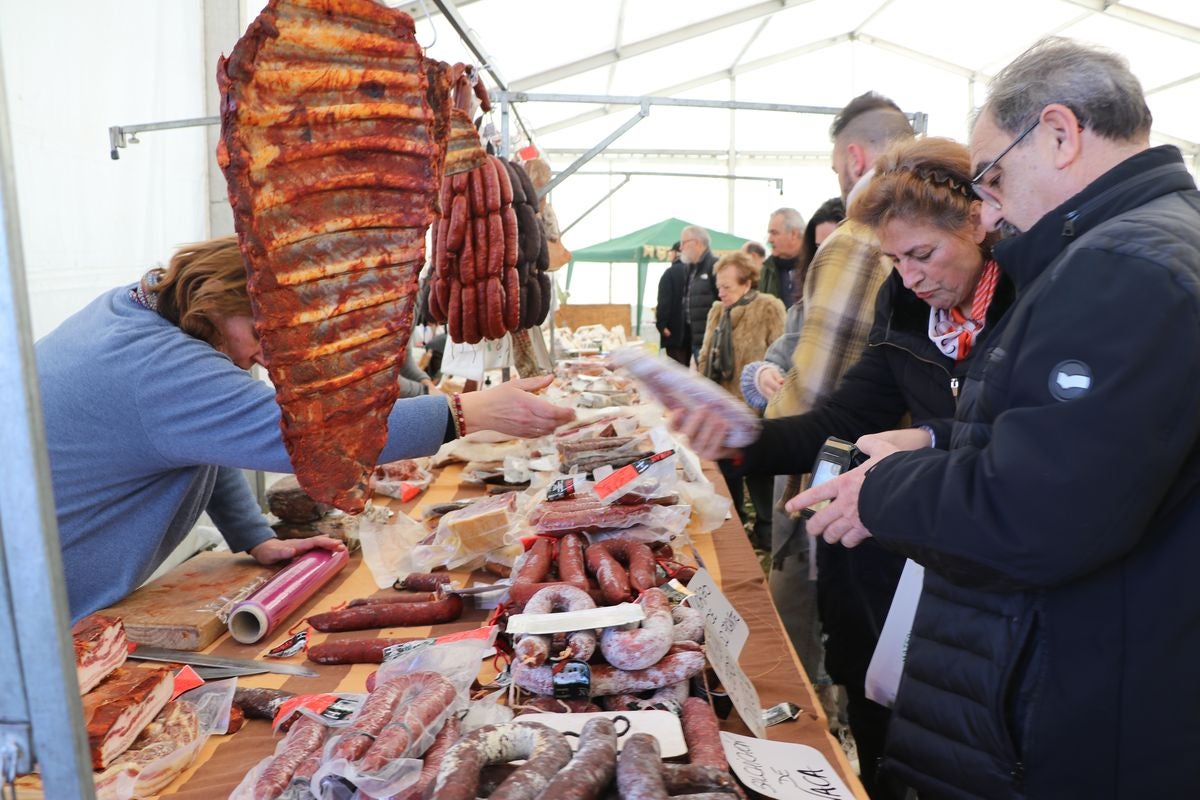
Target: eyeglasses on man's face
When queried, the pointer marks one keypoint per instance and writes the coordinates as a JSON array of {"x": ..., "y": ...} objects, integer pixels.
[{"x": 981, "y": 191}]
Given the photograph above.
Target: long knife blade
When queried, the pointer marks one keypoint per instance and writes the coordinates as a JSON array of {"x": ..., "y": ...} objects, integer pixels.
[{"x": 144, "y": 653}]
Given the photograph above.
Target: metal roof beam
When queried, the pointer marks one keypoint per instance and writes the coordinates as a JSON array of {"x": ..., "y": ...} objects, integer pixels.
[
  {"x": 1173, "y": 84},
  {"x": 419, "y": 11},
  {"x": 653, "y": 43},
  {"x": 1143, "y": 18},
  {"x": 703, "y": 80},
  {"x": 916, "y": 55}
]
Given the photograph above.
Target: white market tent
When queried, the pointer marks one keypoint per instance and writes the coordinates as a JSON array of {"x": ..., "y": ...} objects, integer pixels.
[{"x": 75, "y": 68}]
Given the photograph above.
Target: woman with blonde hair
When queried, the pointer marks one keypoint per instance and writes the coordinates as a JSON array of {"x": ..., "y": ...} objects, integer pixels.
[
  {"x": 942, "y": 299},
  {"x": 741, "y": 325},
  {"x": 150, "y": 412}
]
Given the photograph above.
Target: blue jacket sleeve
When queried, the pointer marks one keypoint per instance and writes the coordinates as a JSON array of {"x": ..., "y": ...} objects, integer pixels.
[
  {"x": 201, "y": 408},
  {"x": 235, "y": 512},
  {"x": 1063, "y": 487}
]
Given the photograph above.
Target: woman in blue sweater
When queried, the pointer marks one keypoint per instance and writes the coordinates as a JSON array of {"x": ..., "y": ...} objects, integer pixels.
[{"x": 150, "y": 413}]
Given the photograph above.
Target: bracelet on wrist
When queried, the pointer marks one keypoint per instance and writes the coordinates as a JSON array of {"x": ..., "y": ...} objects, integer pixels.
[{"x": 456, "y": 411}]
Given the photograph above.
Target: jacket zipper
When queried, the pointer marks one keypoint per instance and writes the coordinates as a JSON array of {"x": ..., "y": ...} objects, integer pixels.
[{"x": 954, "y": 387}]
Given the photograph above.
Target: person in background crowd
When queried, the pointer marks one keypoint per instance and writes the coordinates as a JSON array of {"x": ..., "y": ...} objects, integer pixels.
[
  {"x": 929, "y": 223},
  {"x": 414, "y": 381},
  {"x": 150, "y": 412},
  {"x": 699, "y": 292},
  {"x": 785, "y": 234},
  {"x": 839, "y": 302},
  {"x": 740, "y": 327},
  {"x": 757, "y": 254},
  {"x": 1059, "y": 623},
  {"x": 669, "y": 313},
  {"x": 795, "y": 596}
]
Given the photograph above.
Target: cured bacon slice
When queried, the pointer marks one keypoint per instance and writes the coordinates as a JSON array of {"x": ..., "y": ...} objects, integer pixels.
[
  {"x": 333, "y": 137},
  {"x": 160, "y": 753},
  {"x": 117, "y": 710},
  {"x": 100, "y": 647}
]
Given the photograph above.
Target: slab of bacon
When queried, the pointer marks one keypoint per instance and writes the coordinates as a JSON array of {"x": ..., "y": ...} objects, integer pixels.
[
  {"x": 100, "y": 647},
  {"x": 156, "y": 757},
  {"x": 333, "y": 136},
  {"x": 117, "y": 710}
]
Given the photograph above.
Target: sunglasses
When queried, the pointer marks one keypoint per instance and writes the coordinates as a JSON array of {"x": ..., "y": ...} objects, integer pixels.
[{"x": 982, "y": 192}]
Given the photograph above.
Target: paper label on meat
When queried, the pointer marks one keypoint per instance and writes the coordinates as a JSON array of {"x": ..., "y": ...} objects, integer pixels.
[{"x": 332, "y": 145}]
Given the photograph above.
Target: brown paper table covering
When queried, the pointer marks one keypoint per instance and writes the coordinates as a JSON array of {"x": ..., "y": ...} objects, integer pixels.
[{"x": 768, "y": 657}]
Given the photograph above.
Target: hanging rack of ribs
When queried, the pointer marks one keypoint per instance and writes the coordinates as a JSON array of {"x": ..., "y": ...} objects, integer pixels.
[{"x": 333, "y": 136}]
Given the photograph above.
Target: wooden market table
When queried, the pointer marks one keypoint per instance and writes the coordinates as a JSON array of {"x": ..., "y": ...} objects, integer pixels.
[{"x": 768, "y": 657}]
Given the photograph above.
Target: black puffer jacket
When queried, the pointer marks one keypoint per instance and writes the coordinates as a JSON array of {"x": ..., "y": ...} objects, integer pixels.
[
  {"x": 900, "y": 373},
  {"x": 668, "y": 314},
  {"x": 1055, "y": 647},
  {"x": 699, "y": 296}
]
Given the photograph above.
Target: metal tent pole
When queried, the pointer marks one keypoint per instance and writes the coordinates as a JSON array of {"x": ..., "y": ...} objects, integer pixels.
[{"x": 41, "y": 717}]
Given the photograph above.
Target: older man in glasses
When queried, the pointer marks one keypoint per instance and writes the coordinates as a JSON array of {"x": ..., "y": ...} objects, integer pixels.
[{"x": 1054, "y": 651}]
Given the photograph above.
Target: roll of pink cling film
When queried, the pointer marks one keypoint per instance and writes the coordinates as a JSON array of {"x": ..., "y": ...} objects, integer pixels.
[{"x": 255, "y": 617}]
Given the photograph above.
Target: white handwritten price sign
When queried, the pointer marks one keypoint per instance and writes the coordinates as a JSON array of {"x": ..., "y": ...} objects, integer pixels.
[
  {"x": 783, "y": 770},
  {"x": 725, "y": 633},
  {"x": 721, "y": 619}
]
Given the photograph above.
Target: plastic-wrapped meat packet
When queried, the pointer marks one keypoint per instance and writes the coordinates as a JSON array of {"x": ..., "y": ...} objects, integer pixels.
[{"x": 674, "y": 386}]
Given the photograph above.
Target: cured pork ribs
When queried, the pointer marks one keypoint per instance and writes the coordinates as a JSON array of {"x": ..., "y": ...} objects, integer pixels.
[
  {"x": 117, "y": 710},
  {"x": 333, "y": 136},
  {"x": 157, "y": 756},
  {"x": 100, "y": 647}
]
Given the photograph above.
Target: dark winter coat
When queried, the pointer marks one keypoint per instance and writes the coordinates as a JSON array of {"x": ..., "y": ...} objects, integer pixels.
[
  {"x": 1055, "y": 648},
  {"x": 668, "y": 314},
  {"x": 701, "y": 294},
  {"x": 777, "y": 278},
  {"x": 900, "y": 372}
]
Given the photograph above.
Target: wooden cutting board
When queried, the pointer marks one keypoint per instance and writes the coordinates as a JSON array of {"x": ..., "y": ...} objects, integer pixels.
[{"x": 187, "y": 608}]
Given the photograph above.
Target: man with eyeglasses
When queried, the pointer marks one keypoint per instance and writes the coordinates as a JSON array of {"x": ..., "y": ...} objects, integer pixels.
[
  {"x": 700, "y": 290},
  {"x": 1055, "y": 647}
]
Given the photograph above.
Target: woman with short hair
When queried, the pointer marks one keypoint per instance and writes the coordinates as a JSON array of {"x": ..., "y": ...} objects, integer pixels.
[{"x": 150, "y": 412}]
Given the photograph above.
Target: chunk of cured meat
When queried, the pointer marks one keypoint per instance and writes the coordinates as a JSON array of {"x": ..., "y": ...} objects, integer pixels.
[
  {"x": 117, "y": 710},
  {"x": 156, "y": 757},
  {"x": 333, "y": 136},
  {"x": 100, "y": 647}
]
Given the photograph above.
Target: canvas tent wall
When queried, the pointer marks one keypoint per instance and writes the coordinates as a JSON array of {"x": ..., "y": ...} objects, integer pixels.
[{"x": 650, "y": 244}]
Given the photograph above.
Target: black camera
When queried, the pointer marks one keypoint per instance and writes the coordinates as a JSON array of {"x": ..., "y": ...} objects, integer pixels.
[{"x": 836, "y": 456}]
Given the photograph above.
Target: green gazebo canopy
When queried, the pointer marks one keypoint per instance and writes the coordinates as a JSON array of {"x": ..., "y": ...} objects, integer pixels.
[{"x": 646, "y": 245}]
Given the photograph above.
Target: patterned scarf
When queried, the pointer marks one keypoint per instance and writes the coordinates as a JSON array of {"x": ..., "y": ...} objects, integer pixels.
[
  {"x": 955, "y": 334},
  {"x": 142, "y": 295},
  {"x": 721, "y": 358}
]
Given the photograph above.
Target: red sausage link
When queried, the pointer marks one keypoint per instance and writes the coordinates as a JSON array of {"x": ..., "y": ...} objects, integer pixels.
[
  {"x": 304, "y": 738},
  {"x": 470, "y": 315},
  {"x": 425, "y": 698},
  {"x": 446, "y": 738},
  {"x": 637, "y": 557},
  {"x": 508, "y": 220},
  {"x": 494, "y": 293},
  {"x": 643, "y": 646},
  {"x": 536, "y": 565},
  {"x": 570, "y": 559},
  {"x": 352, "y": 651},
  {"x": 491, "y": 185},
  {"x": 479, "y": 240},
  {"x": 476, "y": 192},
  {"x": 454, "y": 311},
  {"x": 519, "y": 593},
  {"x": 639, "y": 769},
  {"x": 424, "y": 581},
  {"x": 591, "y": 770},
  {"x": 391, "y": 615},
  {"x": 398, "y": 597},
  {"x": 457, "y": 228},
  {"x": 512, "y": 299},
  {"x": 505, "y": 182},
  {"x": 702, "y": 732},
  {"x": 496, "y": 244},
  {"x": 612, "y": 577}
]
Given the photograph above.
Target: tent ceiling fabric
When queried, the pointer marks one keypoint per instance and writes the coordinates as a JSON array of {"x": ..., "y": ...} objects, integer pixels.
[{"x": 929, "y": 55}]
